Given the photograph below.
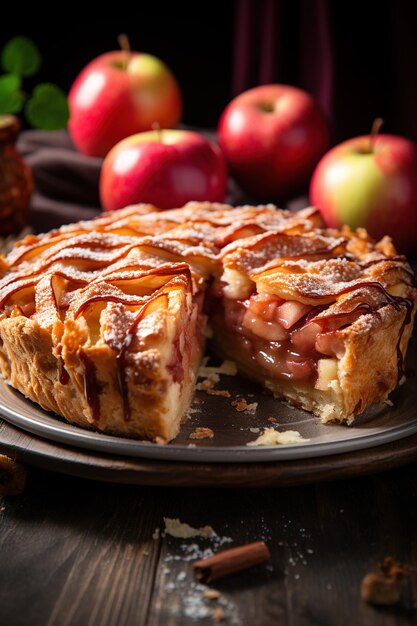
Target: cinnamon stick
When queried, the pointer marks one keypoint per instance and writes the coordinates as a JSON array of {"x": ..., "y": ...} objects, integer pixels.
[{"x": 231, "y": 561}]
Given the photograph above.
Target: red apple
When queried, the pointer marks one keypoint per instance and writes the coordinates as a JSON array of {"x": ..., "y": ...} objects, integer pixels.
[
  {"x": 370, "y": 182},
  {"x": 118, "y": 94},
  {"x": 166, "y": 168},
  {"x": 272, "y": 137}
]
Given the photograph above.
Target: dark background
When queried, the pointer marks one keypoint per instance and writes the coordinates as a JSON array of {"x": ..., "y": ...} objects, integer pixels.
[{"x": 366, "y": 51}]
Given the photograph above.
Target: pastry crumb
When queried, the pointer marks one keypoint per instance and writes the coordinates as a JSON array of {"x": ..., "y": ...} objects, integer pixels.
[
  {"x": 208, "y": 384},
  {"x": 272, "y": 437},
  {"x": 218, "y": 614},
  {"x": 182, "y": 530},
  {"x": 202, "y": 433},
  {"x": 219, "y": 392},
  {"x": 156, "y": 534},
  {"x": 242, "y": 405},
  {"x": 388, "y": 402},
  {"x": 255, "y": 429},
  {"x": 211, "y": 594},
  {"x": 384, "y": 586},
  {"x": 272, "y": 419}
]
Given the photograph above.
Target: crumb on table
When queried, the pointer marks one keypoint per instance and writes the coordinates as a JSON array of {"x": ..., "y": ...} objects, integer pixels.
[
  {"x": 182, "y": 530},
  {"x": 384, "y": 586},
  {"x": 211, "y": 594},
  {"x": 218, "y": 614}
]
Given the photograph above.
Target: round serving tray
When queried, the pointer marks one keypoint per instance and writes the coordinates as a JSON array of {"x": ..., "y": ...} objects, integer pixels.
[{"x": 379, "y": 427}]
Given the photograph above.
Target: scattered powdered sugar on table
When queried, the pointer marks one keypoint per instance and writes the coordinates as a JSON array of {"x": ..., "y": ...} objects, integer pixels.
[
  {"x": 198, "y": 606},
  {"x": 191, "y": 598},
  {"x": 198, "y": 601}
]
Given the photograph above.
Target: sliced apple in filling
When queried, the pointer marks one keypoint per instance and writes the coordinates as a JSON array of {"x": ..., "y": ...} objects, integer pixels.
[{"x": 280, "y": 335}]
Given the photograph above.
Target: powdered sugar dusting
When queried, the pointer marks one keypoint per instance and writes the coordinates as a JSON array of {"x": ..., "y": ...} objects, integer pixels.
[{"x": 188, "y": 597}]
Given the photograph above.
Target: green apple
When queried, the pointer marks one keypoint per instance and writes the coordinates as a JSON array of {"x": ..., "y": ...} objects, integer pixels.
[{"x": 370, "y": 182}]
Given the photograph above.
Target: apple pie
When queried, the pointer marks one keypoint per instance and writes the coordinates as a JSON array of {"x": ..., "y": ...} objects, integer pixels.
[{"x": 104, "y": 321}]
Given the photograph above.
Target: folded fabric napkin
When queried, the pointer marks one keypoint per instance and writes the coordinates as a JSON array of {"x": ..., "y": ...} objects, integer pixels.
[{"x": 66, "y": 181}]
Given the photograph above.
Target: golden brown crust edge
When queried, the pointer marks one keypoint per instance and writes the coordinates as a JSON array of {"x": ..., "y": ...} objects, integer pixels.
[
  {"x": 372, "y": 364},
  {"x": 29, "y": 364}
]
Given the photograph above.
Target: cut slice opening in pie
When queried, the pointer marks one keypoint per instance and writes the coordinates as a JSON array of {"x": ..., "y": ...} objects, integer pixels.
[{"x": 103, "y": 322}]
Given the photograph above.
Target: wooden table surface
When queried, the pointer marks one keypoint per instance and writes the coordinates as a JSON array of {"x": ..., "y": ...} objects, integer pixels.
[{"x": 81, "y": 553}]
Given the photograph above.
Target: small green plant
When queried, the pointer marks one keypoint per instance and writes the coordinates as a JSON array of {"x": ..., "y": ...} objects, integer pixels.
[{"x": 47, "y": 107}]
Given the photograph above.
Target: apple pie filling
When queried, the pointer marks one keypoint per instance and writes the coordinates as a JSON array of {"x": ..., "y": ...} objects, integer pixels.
[{"x": 290, "y": 340}]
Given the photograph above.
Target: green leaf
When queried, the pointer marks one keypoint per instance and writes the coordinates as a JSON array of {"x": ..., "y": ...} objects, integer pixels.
[
  {"x": 21, "y": 56},
  {"x": 48, "y": 107},
  {"x": 11, "y": 98}
]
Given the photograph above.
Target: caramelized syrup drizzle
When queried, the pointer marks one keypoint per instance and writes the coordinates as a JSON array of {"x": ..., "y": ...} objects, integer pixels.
[
  {"x": 63, "y": 375},
  {"x": 91, "y": 385},
  {"x": 396, "y": 301},
  {"x": 121, "y": 358}
]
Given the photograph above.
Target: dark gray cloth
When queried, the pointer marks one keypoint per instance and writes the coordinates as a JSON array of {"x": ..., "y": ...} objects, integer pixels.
[{"x": 66, "y": 181}]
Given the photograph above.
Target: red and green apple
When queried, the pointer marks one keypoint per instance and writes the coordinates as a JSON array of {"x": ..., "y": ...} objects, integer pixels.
[
  {"x": 166, "y": 168},
  {"x": 272, "y": 137},
  {"x": 119, "y": 94},
  {"x": 371, "y": 182}
]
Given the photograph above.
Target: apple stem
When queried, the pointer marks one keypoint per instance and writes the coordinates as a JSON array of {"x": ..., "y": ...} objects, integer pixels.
[
  {"x": 124, "y": 43},
  {"x": 376, "y": 127},
  {"x": 156, "y": 126}
]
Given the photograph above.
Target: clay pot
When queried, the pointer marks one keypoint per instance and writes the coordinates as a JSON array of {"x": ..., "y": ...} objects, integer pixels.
[{"x": 16, "y": 181}]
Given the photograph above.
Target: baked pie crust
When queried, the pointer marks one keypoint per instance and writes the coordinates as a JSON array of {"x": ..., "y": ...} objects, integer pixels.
[{"x": 103, "y": 321}]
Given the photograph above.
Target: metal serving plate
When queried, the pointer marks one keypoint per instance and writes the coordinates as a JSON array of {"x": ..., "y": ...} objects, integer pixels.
[{"x": 381, "y": 424}]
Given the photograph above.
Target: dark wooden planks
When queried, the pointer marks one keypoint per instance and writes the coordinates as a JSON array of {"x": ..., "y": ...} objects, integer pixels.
[
  {"x": 73, "y": 552},
  {"x": 76, "y": 552}
]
